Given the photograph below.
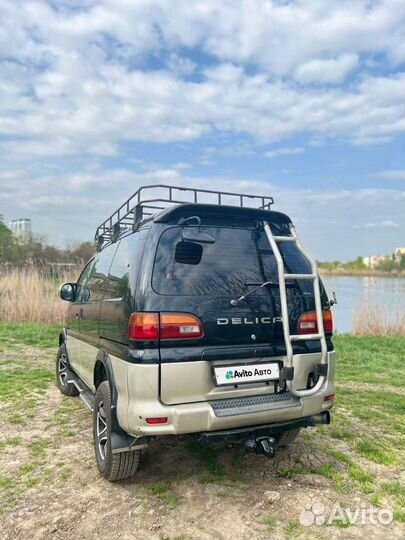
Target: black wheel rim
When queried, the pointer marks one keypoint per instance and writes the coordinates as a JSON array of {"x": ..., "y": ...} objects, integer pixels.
[
  {"x": 101, "y": 430},
  {"x": 62, "y": 369}
]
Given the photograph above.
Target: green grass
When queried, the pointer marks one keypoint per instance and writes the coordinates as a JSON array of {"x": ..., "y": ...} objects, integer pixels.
[
  {"x": 15, "y": 419},
  {"x": 375, "y": 360},
  {"x": 5, "y": 482},
  {"x": 374, "y": 452},
  {"x": 368, "y": 423},
  {"x": 65, "y": 475},
  {"x": 208, "y": 459},
  {"x": 363, "y": 479},
  {"x": 338, "y": 455},
  {"x": 16, "y": 384},
  {"x": 163, "y": 492},
  {"x": 270, "y": 523},
  {"x": 222, "y": 494},
  {"x": 25, "y": 469},
  {"x": 14, "y": 441},
  {"x": 328, "y": 470},
  {"x": 393, "y": 488},
  {"x": 341, "y": 434},
  {"x": 290, "y": 472},
  {"x": 38, "y": 447},
  {"x": 30, "y": 334},
  {"x": 292, "y": 529}
]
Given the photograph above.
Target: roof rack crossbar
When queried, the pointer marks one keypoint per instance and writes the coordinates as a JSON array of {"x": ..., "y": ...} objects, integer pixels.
[{"x": 132, "y": 212}]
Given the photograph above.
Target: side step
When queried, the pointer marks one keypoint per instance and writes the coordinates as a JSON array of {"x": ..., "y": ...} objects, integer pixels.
[{"x": 85, "y": 394}]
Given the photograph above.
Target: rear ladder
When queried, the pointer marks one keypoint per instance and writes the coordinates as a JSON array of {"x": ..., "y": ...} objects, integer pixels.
[{"x": 290, "y": 338}]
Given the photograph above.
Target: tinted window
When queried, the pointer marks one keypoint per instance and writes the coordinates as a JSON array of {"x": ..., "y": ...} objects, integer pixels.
[
  {"x": 238, "y": 260},
  {"x": 117, "y": 283},
  {"x": 94, "y": 288}
]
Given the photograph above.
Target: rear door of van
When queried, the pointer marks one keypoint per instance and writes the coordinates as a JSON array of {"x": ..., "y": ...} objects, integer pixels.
[{"x": 240, "y": 335}]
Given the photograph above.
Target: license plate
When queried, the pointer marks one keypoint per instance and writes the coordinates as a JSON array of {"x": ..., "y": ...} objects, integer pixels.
[{"x": 246, "y": 373}]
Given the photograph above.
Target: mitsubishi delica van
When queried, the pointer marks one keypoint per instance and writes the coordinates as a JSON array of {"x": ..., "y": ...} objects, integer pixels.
[{"x": 200, "y": 314}]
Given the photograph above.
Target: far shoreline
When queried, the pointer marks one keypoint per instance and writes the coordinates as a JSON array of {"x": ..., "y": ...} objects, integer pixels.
[{"x": 360, "y": 273}]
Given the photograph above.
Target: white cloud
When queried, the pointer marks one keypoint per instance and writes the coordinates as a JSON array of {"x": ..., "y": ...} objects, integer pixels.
[
  {"x": 285, "y": 151},
  {"x": 390, "y": 174},
  {"x": 71, "y": 205},
  {"x": 387, "y": 224},
  {"x": 79, "y": 79},
  {"x": 334, "y": 70}
]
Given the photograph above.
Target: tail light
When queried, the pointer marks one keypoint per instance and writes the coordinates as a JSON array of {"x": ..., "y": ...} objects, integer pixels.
[
  {"x": 307, "y": 323},
  {"x": 143, "y": 326},
  {"x": 164, "y": 326},
  {"x": 180, "y": 326}
]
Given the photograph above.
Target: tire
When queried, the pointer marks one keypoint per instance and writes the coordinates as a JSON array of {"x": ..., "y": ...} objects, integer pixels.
[
  {"x": 63, "y": 372},
  {"x": 287, "y": 437},
  {"x": 112, "y": 466}
]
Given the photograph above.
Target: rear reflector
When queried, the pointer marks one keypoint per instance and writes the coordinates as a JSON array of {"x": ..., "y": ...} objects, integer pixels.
[
  {"x": 154, "y": 421},
  {"x": 154, "y": 326},
  {"x": 331, "y": 397},
  {"x": 307, "y": 323}
]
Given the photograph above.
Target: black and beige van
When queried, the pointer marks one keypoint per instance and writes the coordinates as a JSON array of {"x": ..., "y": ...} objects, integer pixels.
[{"x": 200, "y": 314}]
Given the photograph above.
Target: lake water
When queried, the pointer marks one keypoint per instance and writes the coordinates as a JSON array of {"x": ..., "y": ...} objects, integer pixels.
[{"x": 353, "y": 293}]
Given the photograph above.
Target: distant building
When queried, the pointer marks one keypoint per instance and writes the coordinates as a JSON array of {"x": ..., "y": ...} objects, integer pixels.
[
  {"x": 398, "y": 253},
  {"x": 373, "y": 260},
  {"x": 21, "y": 229}
]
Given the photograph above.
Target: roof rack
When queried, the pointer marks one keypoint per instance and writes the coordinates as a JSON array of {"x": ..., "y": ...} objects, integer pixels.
[{"x": 143, "y": 205}]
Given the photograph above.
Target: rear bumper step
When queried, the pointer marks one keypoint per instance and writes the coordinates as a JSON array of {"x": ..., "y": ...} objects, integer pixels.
[{"x": 254, "y": 404}]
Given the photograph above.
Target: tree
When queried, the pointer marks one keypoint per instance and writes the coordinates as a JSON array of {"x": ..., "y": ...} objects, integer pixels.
[
  {"x": 9, "y": 249},
  {"x": 387, "y": 265},
  {"x": 357, "y": 264},
  {"x": 84, "y": 251}
]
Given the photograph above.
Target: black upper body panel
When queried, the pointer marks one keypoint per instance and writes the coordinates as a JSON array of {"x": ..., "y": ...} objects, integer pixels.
[{"x": 224, "y": 215}]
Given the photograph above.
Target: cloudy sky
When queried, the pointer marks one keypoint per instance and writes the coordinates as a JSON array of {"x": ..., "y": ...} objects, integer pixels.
[{"x": 300, "y": 100}]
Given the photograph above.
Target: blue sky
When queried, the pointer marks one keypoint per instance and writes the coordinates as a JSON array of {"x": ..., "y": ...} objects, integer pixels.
[{"x": 303, "y": 101}]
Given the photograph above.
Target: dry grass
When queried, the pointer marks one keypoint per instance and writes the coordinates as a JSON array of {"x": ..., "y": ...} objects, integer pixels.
[
  {"x": 27, "y": 296},
  {"x": 373, "y": 320}
]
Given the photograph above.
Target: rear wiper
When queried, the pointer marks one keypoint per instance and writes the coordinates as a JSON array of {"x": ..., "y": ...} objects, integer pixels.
[{"x": 236, "y": 301}]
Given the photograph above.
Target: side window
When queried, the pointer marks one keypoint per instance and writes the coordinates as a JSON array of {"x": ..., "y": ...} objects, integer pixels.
[
  {"x": 95, "y": 286},
  {"x": 118, "y": 277},
  {"x": 82, "y": 281}
]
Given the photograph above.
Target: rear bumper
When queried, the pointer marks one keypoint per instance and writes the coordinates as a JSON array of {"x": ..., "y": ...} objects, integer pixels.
[{"x": 201, "y": 417}]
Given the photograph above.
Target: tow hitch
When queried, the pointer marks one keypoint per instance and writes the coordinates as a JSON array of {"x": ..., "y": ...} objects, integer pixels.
[{"x": 261, "y": 445}]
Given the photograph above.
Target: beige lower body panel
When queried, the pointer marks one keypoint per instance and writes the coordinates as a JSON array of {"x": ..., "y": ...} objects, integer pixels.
[{"x": 140, "y": 400}]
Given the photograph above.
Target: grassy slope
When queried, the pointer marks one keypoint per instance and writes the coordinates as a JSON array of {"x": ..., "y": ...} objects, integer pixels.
[{"x": 369, "y": 421}]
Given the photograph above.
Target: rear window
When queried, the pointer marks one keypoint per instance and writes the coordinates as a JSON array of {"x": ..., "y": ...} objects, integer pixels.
[{"x": 238, "y": 260}]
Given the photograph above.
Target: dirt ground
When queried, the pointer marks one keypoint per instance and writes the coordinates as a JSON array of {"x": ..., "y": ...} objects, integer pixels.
[{"x": 52, "y": 490}]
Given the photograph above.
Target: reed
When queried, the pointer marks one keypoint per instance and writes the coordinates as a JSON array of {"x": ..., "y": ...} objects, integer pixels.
[
  {"x": 373, "y": 320},
  {"x": 28, "y": 296}
]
